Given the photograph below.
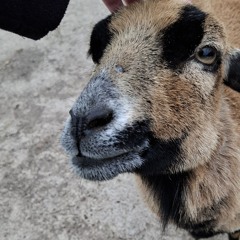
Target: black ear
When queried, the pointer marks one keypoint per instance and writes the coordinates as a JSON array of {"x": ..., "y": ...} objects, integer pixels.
[
  {"x": 233, "y": 74},
  {"x": 100, "y": 38}
]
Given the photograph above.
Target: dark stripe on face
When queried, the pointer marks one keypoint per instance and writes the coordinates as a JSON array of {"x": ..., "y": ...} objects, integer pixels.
[
  {"x": 233, "y": 78},
  {"x": 182, "y": 37},
  {"x": 100, "y": 38},
  {"x": 133, "y": 135},
  {"x": 168, "y": 191},
  {"x": 161, "y": 156}
]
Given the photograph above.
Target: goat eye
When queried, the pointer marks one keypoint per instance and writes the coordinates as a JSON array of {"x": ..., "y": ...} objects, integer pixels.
[{"x": 207, "y": 55}]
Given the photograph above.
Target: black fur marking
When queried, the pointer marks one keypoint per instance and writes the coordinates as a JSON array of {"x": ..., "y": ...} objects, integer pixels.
[
  {"x": 168, "y": 191},
  {"x": 233, "y": 78},
  {"x": 133, "y": 135},
  {"x": 161, "y": 155},
  {"x": 203, "y": 234},
  {"x": 100, "y": 38},
  {"x": 182, "y": 37},
  {"x": 232, "y": 237}
]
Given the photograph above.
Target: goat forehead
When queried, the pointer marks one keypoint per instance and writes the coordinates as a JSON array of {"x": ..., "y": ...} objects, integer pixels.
[{"x": 172, "y": 32}]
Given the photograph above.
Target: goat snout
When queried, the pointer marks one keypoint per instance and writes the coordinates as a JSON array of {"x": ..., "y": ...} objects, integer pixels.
[
  {"x": 96, "y": 119},
  {"x": 87, "y": 129}
]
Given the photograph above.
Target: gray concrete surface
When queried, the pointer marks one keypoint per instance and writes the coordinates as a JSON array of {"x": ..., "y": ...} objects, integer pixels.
[{"x": 40, "y": 197}]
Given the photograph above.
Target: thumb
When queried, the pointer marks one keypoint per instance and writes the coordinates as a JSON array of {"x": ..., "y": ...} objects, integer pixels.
[{"x": 113, "y": 5}]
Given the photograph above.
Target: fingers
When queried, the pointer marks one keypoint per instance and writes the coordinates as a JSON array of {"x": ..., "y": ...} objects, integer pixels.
[
  {"x": 113, "y": 5},
  {"x": 129, "y": 1}
]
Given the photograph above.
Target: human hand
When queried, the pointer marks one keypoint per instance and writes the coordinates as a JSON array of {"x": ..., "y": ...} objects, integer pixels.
[{"x": 114, "y": 5}]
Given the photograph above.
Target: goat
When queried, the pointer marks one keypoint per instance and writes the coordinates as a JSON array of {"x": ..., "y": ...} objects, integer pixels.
[{"x": 163, "y": 103}]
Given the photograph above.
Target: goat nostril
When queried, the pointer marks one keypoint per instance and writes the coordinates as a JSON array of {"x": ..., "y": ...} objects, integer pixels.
[
  {"x": 73, "y": 118},
  {"x": 75, "y": 131},
  {"x": 99, "y": 118}
]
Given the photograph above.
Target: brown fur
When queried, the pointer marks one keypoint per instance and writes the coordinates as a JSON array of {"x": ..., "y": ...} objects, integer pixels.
[{"x": 205, "y": 107}]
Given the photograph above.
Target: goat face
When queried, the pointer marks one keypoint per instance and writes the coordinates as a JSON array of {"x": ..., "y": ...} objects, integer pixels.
[{"x": 155, "y": 88}]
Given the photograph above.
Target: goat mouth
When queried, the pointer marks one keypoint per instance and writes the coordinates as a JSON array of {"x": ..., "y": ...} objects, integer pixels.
[{"x": 107, "y": 168}]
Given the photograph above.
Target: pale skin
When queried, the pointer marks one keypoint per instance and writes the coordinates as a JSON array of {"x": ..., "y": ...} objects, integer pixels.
[{"x": 114, "y": 5}]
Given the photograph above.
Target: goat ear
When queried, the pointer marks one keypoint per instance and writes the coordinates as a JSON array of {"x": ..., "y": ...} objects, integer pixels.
[
  {"x": 100, "y": 38},
  {"x": 232, "y": 77}
]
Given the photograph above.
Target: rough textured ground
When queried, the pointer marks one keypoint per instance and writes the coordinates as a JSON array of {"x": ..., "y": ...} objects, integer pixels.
[{"x": 40, "y": 197}]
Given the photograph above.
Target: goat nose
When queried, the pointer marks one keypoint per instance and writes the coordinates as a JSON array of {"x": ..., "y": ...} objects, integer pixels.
[
  {"x": 76, "y": 129},
  {"x": 98, "y": 117},
  {"x": 82, "y": 127}
]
